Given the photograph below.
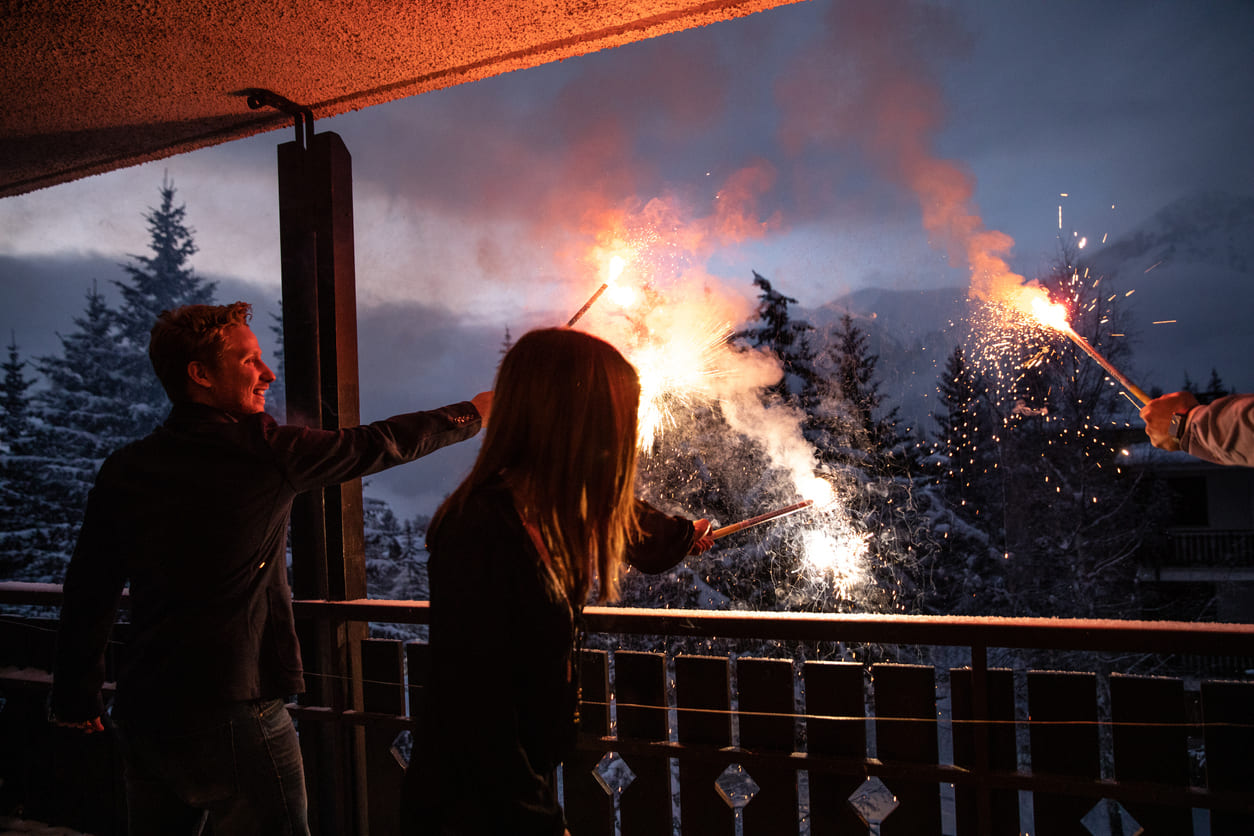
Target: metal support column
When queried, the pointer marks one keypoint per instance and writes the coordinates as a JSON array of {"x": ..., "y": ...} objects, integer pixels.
[{"x": 320, "y": 376}]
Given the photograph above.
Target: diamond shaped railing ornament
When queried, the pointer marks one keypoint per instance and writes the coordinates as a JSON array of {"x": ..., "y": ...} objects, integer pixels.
[
  {"x": 873, "y": 802},
  {"x": 402, "y": 748},
  {"x": 613, "y": 774},
  {"x": 736, "y": 786},
  {"x": 1109, "y": 818}
]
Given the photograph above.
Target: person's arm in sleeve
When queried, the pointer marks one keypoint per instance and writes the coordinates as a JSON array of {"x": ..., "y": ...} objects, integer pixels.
[
  {"x": 92, "y": 592},
  {"x": 313, "y": 458},
  {"x": 1221, "y": 431},
  {"x": 666, "y": 539}
]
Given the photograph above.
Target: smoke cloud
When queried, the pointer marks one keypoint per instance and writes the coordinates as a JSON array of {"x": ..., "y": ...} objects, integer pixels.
[{"x": 869, "y": 85}]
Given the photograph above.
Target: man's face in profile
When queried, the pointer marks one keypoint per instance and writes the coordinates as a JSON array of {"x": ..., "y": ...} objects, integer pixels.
[{"x": 238, "y": 382}]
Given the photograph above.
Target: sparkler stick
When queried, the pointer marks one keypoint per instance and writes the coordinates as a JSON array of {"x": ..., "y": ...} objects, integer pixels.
[
  {"x": 1133, "y": 390},
  {"x": 761, "y": 518},
  {"x": 587, "y": 305},
  {"x": 1055, "y": 316}
]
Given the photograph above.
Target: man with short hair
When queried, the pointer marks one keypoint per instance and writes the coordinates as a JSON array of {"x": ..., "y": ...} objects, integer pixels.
[{"x": 195, "y": 517}]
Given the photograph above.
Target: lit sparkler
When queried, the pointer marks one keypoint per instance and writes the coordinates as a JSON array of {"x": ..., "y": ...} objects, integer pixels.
[
  {"x": 674, "y": 347},
  {"x": 674, "y": 369},
  {"x": 1055, "y": 316},
  {"x": 816, "y": 491},
  {"x": 837, "y": 559},
  {"x": 619, "y": 293},
  {"x": 675, "y": 332}
]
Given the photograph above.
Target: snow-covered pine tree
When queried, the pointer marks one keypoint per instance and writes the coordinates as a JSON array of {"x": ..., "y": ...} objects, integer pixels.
[
  {"x": 965, "y": 445},
  {"x": 710, "y": 469},
  {"x": 713, "y": 470},
  {"x": 854, "y": 376},
  {"x": 88, "y": 400},
  {"x": 82, "y": 416},
  {"x": 157, "y": 282},
  {"x": 965, "y": 567},
  {"x": 29, "y": 523},
  {"x": 396, "y": 563},
  {"x": 276, "y": 395},
  {"x": 14, "y": 401},
  {"x": 1073, "y": 519},
  {"x": 895, "y": 507},
  {"x": 787, "y": 338}
]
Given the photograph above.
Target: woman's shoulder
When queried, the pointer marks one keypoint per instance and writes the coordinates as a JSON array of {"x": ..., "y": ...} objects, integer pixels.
[
  {"x": 486, "y": 511},
  {"x": 478, "y": 545}
]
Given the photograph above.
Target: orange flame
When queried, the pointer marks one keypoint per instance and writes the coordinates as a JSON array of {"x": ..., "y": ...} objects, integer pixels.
[{"x": 1050, "y": 314}]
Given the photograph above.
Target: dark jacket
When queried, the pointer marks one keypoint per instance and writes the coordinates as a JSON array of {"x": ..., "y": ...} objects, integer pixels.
[
  {"x": 195, "y": 517},
  {"x": 500, "y": 702}
]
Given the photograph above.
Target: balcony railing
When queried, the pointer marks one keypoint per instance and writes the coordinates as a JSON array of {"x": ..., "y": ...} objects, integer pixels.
[
  {"x": 1205, "y": 555},
  {"x": 1212, "y": 548},
  {"x": 736, "y": 742}
]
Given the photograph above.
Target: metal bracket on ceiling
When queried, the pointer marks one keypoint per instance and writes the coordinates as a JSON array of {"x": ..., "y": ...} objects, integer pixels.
[{"x": 303, "y": 116}]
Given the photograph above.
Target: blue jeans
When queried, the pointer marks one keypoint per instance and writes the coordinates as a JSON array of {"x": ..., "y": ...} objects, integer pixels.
[{"x": 241, "y": 765}]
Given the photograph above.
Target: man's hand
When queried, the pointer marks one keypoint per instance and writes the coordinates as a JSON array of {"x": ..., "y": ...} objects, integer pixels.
[
  {"x": 703, "y": 541},
  {"x": 483, "y": 403},
  {"x": 1157, "y": 415},
  {"x": 85, "y": 726}
]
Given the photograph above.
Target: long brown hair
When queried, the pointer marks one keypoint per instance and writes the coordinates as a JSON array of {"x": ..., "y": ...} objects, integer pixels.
[{"x": 563, "y": 435}]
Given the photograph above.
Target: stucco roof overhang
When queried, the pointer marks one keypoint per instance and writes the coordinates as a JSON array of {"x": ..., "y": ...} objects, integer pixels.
[{"x": 95, "y": 85}]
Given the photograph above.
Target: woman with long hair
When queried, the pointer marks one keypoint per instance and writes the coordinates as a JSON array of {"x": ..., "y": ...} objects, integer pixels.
[{"x": 545, "y": 522}]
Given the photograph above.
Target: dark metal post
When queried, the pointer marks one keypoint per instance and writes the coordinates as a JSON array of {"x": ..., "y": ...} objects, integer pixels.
[{"x": 328, "y": 561}]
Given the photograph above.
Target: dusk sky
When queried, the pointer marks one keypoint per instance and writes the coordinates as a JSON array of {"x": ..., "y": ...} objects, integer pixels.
[{"x": 797, "y": 142}]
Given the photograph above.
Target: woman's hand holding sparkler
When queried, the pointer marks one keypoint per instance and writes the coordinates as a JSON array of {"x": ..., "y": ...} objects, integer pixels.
[{"x": 703, "y": 540}]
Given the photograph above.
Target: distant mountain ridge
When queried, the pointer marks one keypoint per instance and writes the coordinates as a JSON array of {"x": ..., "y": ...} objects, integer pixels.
[
  {"x": 1187, "y": 275},
  {"x": 911, "y": 331},
  {"x": 1189, "y": 268},
  {"x": 1212, "y": 228}
]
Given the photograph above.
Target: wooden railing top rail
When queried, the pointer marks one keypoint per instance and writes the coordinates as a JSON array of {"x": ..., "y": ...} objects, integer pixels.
[
  {"x": 962, "y": 631},
  {"x": 966, "y": 631},
  {"x": 30, "y": 594}
]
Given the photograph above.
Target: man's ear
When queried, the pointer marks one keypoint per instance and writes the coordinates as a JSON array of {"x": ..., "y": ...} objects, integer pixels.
[{"x": 198, "y": 374}]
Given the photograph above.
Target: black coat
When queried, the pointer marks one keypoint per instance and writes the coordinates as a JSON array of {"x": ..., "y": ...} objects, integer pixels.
[
  {"x": 500, "y": 703},
  {"x": 195, "y": 517}
]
